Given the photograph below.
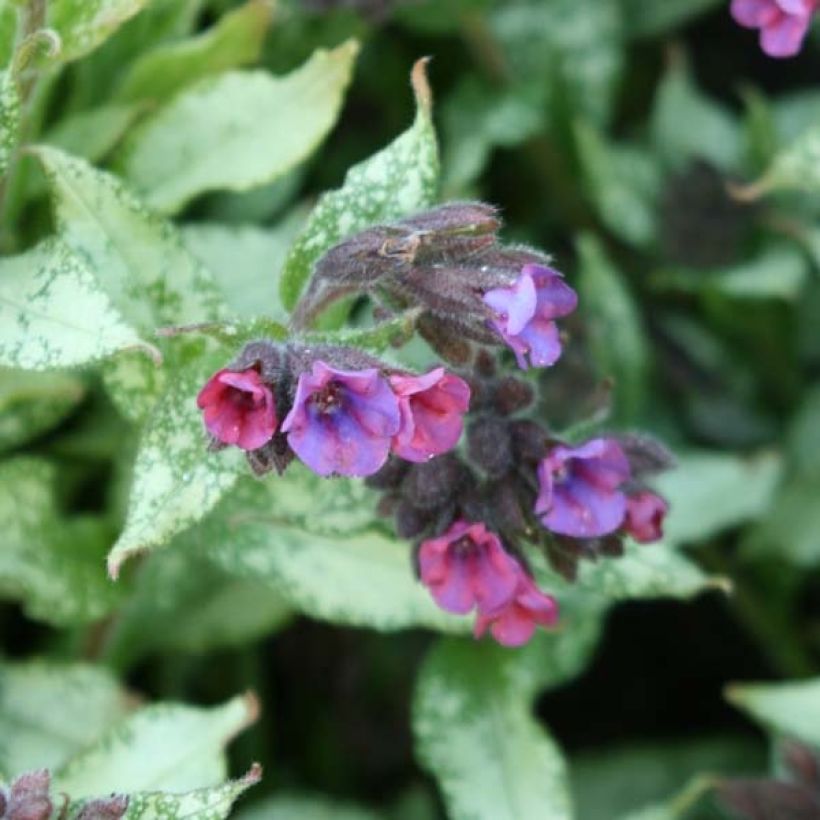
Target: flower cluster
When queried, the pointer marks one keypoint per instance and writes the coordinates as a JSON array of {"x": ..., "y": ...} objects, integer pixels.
[
  {"x": 338, "y": 420},
  {"x": 470, "y": 513},
  {"x": 783, "y": 24}
]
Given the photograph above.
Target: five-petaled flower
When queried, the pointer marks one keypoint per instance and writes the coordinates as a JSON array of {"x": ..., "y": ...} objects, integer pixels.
[
  {"x": 514, "y": 623},
  {"x": 579, "y": 488},
  {"x": 238, "y": 408},
  {"x": 645, "y": 512},
  {"x": 466, "y": 567},
  {"x": 783, "y": 23},
  {"x": 342, "y": 421},
  {"x": 524, "y": 314},
  {"x": 432, "y": 408}
]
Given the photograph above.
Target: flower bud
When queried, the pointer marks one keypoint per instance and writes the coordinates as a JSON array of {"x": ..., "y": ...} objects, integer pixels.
[
  {"x": 489, "y": 445},
  {"x": 432, "y": 485}
]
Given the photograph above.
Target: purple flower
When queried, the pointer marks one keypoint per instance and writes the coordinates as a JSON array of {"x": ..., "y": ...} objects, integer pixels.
[
  {"x": 783, "y": 23},
  {"x": 514, "y": 624},
  {"x": 342, "y": 421},
  {"x": 645, "y": 512},
  {"x": 579, "y": 491},
  {"x": 238, "y": 408},
  {"x": 432, "y": 407},
  {"x": 524, "y": 314},
  {"x": 468, "y": 567}
]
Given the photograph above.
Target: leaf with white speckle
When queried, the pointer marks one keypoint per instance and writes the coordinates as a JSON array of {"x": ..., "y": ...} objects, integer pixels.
[
  {"x": 238, "y": 130},
  {"x": 400, "y": 179},
  {"x": 177, "y": 480},
  {"x": 53, "y": 312},
  {"x": 9, "y": 119},
  {"x": 165, "y": 747}
]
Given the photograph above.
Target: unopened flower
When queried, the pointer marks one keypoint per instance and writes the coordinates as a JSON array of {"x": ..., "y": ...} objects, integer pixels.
[
  {"x": 238, "y": 408},
  {"x": 468, "y": 567},
  {"x": 342, "y": 421},
  {"x": 514, "y": 623},
  {"x": 525, "y": 314},
  {"x": 645, "y": 512},
  {"x": 579, "y": 491},
  {"x": 783, "y": 23},
  {"x": 432, "y": 407}
]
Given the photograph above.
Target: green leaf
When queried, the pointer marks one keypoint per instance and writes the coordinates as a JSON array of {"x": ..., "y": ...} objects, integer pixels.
[
  {"x": 160, "y": 748},
  {"x": 790, "y": 709},
  {"x": 686, "y": 125},
  {"x": 227, "y": 132},
  {"x": 396, "y": 181},
  {"x": 234, "y": 41},
  {"x": 246, "y": 262},
  {"x": 82, "y": 25},
  {"x": 212, "y": 803},
  {"x": 8, "y": 31},
  {"x": 177, "y": 480},
  {"x": 134, "y": 385},
  {"x": 183, "y": 602},
  {"x": 34, "y": 403},
  {"x": 623, "y": 183},
  {"x": 53, "y": 564},
  {"x": 51, "y": 711},
  {"x": 9, "y": 119},
  {"x": 139, "y": 259},
  {"x": 92, "y": 134},
  {"x": 304, "y": 807},
  {"x": 711, "y": 492},
  {"x": 270, "y": 531},
  {"x": 376, "y": 338},
  {"x": 476, "y": 734},
  {"x": 53, "y": 312},
  {"x": 617, "y": 338},
  {"x": 795, "y": 168},
  {"x": 648, "y": 18}
]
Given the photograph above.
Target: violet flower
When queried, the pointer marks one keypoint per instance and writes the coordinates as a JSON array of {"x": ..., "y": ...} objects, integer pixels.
[
  {"x": 432, "y": 407},
  {"x": 525, "y": 314},
  {"x": 579, "y": 491},
  {"x": 238, "y": 408},
  {"x": 342, "y": 421},
  {"x": 783, "y": 23},
  {"x": 645, "y": 512}
]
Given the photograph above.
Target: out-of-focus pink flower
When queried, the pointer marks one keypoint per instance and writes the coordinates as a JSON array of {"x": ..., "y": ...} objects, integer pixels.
[
  {"x": 342, "y": 421},
  {"x": 238, "y": 408},
  {"x": 432, "y": 407},
  {"x": 514, "y": 623},
  {"x": 645, "y": 512},
  {"x": 525, "y": 314},
  {"x": 468, "y": 567},
  {"x": 782, "y": 23},
  {"x": 579, "y": 488}
]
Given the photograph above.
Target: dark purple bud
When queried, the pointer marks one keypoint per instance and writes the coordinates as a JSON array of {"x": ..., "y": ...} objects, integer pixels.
[
  {"x": 275, "y": 455},
  {"x": 452, "y": 348},
  {"x": 513, "y": 395},
  {"x": 610, "y": 546},
  {"x": 411, "y": 521},
  {"x": 390, "y": 476},
  {"x": 489, "y": 445},
  {"x": 768, "y": 799},
  {"x": 29, "y": 797},
  {"x": 267, "y": 358},
  {"x": 529, "y": 440},
  {"x": 432, "y": 485},
  {"x": 646, "y": 454},
  {"x": 563, "y": 555},
  {"x": 505, "y": 505}
]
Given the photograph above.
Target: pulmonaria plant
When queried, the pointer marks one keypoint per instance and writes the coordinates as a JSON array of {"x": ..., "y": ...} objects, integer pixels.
[
  {"x": 472, "y": 514},
  {"x": 783, "y": 24}
]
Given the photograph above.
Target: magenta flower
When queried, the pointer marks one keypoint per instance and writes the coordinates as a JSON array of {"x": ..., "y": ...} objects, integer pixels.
[
  {"x": 645, "y": 512},
  {"x": 783, "y": 23},
  {"x": 238, "y": 408},
  {"x": 468, "y": 567},
  {"x": 342, "y": 421},
  {"x": 524, "y": 314},
  {"x": 514, "y": 623},
  {"x": 432, "y": 409},
  {"x": 579, "y": 491}
]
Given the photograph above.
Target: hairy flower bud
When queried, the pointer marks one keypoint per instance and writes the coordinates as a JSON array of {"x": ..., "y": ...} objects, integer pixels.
[
  {"x": 432, "y": 485},
  {"x": 489, "y": 445}
]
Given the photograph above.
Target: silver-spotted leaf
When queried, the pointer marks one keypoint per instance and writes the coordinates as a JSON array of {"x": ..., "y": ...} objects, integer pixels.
[
  {"x": 396, "y": 181},
  {"x": 9, "y": 119},
  {"x": 238, "y": 130}
]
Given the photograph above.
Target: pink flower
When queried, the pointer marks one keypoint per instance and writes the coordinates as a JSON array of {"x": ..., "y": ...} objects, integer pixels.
[
  {"x": 645, "y": 512},
  {"x": 468, "y": 567},
  {"x": 432, "y": 409},
  {"x": 238, "y": 408},
  {"x": 579, "y": 488},
  {"x": 342, "y": 421},
  {"x": 524, "y": 314},
  {"x": 783, "y": 23},
  {"x": 514, "y": 623}
]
